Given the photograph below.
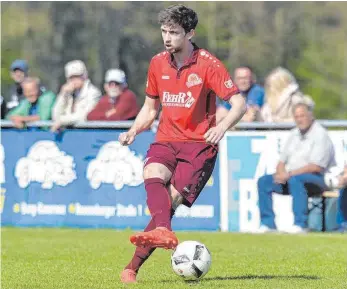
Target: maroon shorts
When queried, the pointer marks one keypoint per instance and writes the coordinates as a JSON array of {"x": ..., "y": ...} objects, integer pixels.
[{"x": 191, "y": 165}]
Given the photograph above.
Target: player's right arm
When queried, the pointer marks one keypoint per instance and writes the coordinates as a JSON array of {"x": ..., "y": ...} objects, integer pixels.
[
  {"x": 143, "y": 121},
  {"x": 149, "y": 110}
]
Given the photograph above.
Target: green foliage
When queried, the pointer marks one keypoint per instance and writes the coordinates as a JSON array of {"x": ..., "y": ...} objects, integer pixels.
[{"x": 309, "y": 38}]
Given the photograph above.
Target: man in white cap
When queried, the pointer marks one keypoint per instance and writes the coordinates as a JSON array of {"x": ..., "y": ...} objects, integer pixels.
[
  {"x": 77, "y": 97},
  {"x": 119, "y": 103}
]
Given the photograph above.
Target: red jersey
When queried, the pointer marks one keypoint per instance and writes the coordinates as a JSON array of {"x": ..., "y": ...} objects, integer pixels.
[{"x": 188, "y": 94}]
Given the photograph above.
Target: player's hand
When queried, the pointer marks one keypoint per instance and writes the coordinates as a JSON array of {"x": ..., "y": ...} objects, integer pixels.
[
  {"x": 127, "y": 138},
  {"x": 214, "y": 134}
]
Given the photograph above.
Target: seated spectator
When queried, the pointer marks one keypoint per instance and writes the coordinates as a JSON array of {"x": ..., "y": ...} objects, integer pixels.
[
  {"x": 19, "y": 70},
  {"x": 281, "y": 94},
  {"x": 77, "y": 97},
  {"x": 308, "y": 153},
  {"x": 245, "y": 80},
  {"x": 35, "y": 106},
  {"x": 119, "y": 102}
]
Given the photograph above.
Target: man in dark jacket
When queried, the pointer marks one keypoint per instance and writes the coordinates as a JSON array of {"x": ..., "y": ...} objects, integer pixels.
[{"x": 19, "y": 70}]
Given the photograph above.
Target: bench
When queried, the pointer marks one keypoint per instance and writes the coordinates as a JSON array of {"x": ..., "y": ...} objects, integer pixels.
[{"x": 322, "y": 203}]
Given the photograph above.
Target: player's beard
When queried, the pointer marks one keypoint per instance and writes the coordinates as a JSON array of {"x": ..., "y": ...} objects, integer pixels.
[{"x": 173, "y": 50}]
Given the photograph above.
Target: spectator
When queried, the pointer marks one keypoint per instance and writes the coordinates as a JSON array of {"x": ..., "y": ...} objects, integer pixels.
[
  {"x": 119, "y": 103},
  {"x": 35, "y": 106},
  {"x": 308, "y": 153},
  {"x": 77, "y": 97},
  {"x": 19, "y": 70},
  {"x": 281, "y": 94},
  {"x": 245, "y": 80}
]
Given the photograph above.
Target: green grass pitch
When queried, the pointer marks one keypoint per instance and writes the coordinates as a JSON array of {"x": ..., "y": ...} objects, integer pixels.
[{"x": 72, "y": 258}]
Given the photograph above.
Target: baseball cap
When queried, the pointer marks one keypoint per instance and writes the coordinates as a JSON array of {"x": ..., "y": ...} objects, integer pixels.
[
  {"x": 115, "y": 75},
  {"x": 20, "y": 64},
  {"x": 75, "y": 68}
]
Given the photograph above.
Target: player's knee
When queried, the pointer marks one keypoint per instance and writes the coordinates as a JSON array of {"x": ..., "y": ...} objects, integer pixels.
[{"x": 156, "y": 171}]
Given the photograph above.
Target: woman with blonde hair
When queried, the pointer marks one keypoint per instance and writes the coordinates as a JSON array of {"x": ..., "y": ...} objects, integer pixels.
[{"x": 281, "y": 94}]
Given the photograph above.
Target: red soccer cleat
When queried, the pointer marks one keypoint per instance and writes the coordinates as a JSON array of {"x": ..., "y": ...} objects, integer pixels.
[
  {"x": 128, "y": 276},
  {"x": 157, "y": 238}
]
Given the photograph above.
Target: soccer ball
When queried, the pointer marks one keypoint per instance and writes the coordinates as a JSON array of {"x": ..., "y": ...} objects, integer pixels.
[{"x": 191, "y": 260}]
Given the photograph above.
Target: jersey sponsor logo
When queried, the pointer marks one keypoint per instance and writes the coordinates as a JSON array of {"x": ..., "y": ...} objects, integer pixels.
[
  {"x": 228, "y": 83},
  {"x": 193, "y": 79},
  {"x": 165, "y": 77},
  {"x": 181, "y": 99}
]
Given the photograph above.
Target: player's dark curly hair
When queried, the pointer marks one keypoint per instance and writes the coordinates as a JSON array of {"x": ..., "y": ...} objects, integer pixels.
[{"x": 179, "y": 14}]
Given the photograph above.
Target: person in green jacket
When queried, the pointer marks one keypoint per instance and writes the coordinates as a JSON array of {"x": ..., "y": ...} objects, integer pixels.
[{"x": 36, "y": 105}]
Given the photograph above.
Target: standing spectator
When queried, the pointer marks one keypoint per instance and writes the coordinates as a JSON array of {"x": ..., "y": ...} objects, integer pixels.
[
  {"x": 308, "y": 153},
  {"x": 77, "y": 97},
  {"x": 19, "y": 70},
  {"x": 281, "y": 94},
  {"x": 35, "y": 106},
  {"x": 245, "y": 80},
  {"x": 119, "y": 103}
]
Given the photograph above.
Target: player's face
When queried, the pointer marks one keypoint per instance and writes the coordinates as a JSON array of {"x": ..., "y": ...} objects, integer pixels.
[
  {"x": 174, "y": 38},
  {"x": 303, "y": 118},
  {"x": 243, "y": 78}
]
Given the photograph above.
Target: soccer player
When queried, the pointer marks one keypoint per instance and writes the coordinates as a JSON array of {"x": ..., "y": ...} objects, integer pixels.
[{"x": 185, "y": 80}]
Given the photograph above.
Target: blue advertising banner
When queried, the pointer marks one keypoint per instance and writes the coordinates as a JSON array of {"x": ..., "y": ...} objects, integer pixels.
[{"x": 85, "y": 178}]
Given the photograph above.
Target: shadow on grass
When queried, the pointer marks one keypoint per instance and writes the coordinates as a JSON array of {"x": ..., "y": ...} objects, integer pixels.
[{"x": 251, "y": 277}]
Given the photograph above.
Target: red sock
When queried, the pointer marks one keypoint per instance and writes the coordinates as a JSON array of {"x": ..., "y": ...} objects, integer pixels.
[
  {"x": 142, "y": 254},
  {"x": 159, "y": 202}
]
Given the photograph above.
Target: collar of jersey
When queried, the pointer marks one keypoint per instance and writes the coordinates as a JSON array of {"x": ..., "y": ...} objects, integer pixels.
[{"x": 191, "y": 60}]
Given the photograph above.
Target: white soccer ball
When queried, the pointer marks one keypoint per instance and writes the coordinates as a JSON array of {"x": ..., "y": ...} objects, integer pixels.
[
  {"x": 331, "y": 177},
  {"x": 191, "y": 260}
]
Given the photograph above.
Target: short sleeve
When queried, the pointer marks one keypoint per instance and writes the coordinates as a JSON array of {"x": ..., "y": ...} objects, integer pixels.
[
  {"x": 256, "y": 96},
  {"x": 151, "y": 85},
  {"x": 219, "y": 80},
  {"x": 322, "y": 152}
]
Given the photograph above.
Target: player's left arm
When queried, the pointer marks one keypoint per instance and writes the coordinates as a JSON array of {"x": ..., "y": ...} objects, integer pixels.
[
  {"x": 238, "y": 109},
  {"x": 220, "y": 82}
]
